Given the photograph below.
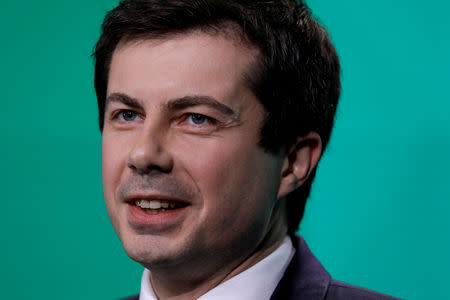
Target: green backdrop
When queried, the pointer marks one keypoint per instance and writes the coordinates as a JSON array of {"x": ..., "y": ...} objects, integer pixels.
[{"x": 379, "y": 215}]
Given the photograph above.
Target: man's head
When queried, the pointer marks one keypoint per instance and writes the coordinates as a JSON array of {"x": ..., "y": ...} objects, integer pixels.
[
  {"x": 294, "y": 74},
  {"x": 213, "y": 114},
  {"x": 182, "y": 128}
]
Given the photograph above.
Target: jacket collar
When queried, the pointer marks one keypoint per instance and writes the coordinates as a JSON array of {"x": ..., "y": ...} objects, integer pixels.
[{"x": 305, "y": 277}]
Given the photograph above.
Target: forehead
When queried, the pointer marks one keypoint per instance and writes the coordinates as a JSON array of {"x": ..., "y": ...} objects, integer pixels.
[{"x": 182, "y": 64}]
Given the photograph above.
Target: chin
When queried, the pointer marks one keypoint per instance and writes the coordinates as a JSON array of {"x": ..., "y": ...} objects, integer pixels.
[
  {"x": 148, "y": 251},
  {"x": 146, "y": 256}
]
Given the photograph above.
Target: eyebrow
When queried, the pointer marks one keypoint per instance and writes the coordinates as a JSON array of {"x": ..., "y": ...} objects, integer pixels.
[
  {"x": 174, "y": 104},
  {"x": 196, "y": 100},
  {"x": 125, "y": 99}
]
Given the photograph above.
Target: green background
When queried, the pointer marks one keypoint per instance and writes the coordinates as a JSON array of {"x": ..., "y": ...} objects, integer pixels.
[{"x": 379, "y": 215}]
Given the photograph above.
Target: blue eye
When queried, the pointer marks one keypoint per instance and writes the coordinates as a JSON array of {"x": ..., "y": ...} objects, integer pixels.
[
  {"x": 198, "y": 119},
  {"x": 128, "y": 115}
]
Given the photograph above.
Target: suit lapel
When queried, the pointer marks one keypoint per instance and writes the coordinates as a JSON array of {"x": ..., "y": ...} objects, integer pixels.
[{"x": 305, "y": 278}]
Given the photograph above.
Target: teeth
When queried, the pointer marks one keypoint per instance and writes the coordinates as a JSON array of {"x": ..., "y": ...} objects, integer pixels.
[
  {"x": 154, "y": 204},
  {"x": 143, "y": 203}
]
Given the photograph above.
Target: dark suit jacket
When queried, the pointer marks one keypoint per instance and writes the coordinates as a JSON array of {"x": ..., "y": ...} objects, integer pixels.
[{"x": 306, "y": 279}]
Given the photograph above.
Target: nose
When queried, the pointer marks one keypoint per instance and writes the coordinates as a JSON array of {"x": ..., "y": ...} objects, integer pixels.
[{"x": 149, "y": 153}]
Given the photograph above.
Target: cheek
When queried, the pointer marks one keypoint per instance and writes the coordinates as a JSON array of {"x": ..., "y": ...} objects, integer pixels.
[
  {"x": 113, "y": 162},
  {"x": 211, "y": 164},
  {"x": 234, "y": 180}
]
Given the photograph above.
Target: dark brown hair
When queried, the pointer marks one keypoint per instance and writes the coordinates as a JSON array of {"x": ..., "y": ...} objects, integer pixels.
[{"x": 296, "y": 77}]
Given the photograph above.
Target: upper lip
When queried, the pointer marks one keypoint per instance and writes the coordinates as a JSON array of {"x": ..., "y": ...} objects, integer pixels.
[{"x": 135, "y": 197}]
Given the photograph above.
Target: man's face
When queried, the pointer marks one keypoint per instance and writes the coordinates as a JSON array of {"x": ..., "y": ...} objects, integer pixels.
[{"x": 181, "y": 133}]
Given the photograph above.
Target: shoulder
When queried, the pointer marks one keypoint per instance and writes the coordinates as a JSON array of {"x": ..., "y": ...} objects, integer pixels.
[
  {"x": 338, "y": 290},
  {"x": 306, "y": 278}
]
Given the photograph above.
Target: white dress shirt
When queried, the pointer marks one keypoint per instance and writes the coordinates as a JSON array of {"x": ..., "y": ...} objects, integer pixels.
[{"x": 256, "y": 283}]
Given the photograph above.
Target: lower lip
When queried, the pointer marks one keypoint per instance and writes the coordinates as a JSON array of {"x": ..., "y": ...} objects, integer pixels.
[{"x": 137, "y": 217}]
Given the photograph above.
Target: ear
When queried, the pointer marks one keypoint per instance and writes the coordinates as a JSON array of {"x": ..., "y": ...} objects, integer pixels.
[{"x": 299, "y": 161}]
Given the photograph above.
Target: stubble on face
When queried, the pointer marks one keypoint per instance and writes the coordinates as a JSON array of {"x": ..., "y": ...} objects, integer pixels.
[{"x": 229, "y": 182}]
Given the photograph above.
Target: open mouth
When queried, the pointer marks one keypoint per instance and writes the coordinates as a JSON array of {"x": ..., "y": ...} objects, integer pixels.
[{"x": 156, "y": 206}]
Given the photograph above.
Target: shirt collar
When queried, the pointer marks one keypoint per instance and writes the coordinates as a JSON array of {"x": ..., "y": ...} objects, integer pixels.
[{"x": 257, "y": 282}]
